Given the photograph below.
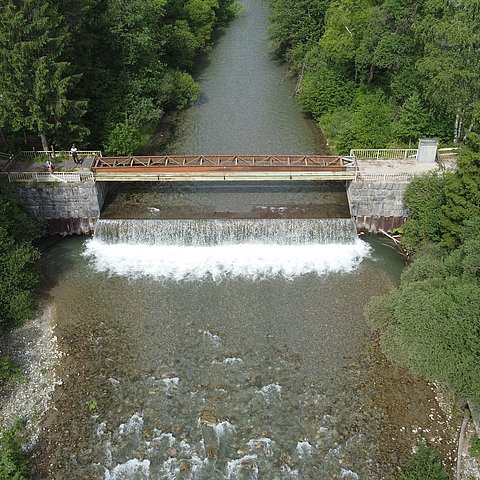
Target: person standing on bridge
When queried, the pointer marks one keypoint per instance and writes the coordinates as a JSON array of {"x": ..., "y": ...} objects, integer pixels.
[{"x": 74, "y": 153}]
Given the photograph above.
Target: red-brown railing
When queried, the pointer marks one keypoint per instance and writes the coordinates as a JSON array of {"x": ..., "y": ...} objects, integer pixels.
[{"x": 207, "y": 162}]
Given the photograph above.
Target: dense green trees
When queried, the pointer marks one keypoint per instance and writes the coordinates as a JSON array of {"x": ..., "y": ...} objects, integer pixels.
[
  {"x": 416, "y": 63},
  {"x": 16, "y": 258},
  {"x": 100, "y": 71},
  {"x": 36, "y": 82}
]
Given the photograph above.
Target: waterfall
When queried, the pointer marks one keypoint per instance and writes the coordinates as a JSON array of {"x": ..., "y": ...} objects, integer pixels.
[
  {"x": 217, "y": 249},
  {"x": 210, "y": 232}
]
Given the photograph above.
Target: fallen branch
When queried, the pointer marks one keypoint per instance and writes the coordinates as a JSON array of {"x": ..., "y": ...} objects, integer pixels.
[{"x": 395, "y": 240}]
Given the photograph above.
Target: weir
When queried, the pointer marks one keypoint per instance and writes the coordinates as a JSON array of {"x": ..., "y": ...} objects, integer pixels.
[{"x": 207, "y": 232}]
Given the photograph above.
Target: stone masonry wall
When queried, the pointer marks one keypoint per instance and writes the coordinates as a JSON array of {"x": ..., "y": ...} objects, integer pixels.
[
  {"x": 377, "y": 204},
  {"x": 69, "y": 208}
]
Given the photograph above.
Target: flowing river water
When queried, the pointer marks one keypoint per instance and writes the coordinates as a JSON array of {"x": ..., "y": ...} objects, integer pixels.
[{"x": 216, "y": 331}]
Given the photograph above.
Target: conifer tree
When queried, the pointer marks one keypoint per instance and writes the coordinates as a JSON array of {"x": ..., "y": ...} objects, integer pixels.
[
  {"x": 414, "y": 120},
  {"x": 35, "y": 80}
]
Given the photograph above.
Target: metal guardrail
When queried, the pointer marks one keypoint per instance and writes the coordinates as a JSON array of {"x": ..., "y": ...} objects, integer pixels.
[
  {"x": 386, "y": 177},
  {"x": 47, "y": 177},
  {"x": 383, "y": 153},
  {"x": 223, "y": 167},
  {"x": 30, "y": 155},
  {"x": 11, "y": 158},
  {"x": 108, "y": 176}
]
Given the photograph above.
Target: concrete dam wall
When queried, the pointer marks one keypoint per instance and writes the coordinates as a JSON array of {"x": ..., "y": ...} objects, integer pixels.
[{"x": 73, "y": 208}]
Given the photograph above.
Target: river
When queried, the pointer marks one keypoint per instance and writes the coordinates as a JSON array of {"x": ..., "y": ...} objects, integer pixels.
[{"x": 211, "y": 331}]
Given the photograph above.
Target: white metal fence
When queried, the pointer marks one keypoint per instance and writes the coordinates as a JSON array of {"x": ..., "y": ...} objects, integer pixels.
[
  {"x": 30, "y": 155},
  {"x": 386, "y": 177},
  {"x": 47, "y": 177},
  {"x": 383, "y": 153}
]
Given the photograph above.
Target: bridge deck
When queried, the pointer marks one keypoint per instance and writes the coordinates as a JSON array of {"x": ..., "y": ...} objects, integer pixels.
[{"x": 223, "y": 167}]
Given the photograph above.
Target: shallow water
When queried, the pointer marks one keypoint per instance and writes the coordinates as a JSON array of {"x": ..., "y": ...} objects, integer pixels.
[{"x": 247, "y": 103}]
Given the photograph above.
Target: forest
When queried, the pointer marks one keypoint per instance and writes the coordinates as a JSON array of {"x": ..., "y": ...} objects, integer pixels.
[
  {"x": 100, "y": 73},
  {"x": 380, "y": 73}
]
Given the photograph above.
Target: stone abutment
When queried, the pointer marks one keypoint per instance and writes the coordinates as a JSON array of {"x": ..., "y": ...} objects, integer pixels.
[
  {"x": 377, "y": 204},
  {"x": 69, "y": 208}
]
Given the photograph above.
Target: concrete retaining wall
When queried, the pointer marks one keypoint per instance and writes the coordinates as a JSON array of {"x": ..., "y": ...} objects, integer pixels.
[
  {"x": 70, "y": 208},
  {"x": 377, "y": 204}
]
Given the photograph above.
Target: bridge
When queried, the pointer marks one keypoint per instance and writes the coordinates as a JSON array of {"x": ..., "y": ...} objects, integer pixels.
[
  {"x": 364, "y": 164},
  {"x": 223, "y": 167}
]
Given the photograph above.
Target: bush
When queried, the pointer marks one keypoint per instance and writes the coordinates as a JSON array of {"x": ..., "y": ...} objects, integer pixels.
[
  {"x": 8, "y": 370},
  {"x": 424, "y": 198},
  {"x": 16, "y": 280},
  {"x": 430, "y": 323},
  {"x": 365, "y": 124},
  {"x": 323, "y": 91},
  {"x": 17, "y": 255},
  {"x": 425, "y": 464},
  {"x": 13, "y": 465},
  {"x": 474, "y": 449},
  {"x": 124, "y": 139}
]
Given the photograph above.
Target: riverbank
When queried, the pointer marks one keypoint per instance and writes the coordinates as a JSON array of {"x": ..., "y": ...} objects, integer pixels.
[{"x": 33, "y": 347}]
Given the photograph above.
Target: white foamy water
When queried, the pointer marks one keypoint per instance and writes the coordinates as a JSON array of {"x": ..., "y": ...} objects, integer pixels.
[
  {"x": 171, "y": 384},
  {"x": 133, "y": 468},
  {"x": 304, "y": 449},
  {"x": 271, "y": 388},
  {"x": 265, "y": 443},
  {"x": 345, "y": 473},
  {"x": 133, "y": 426},
  {"x": 222, "y": 428},
  {"x": 247, "y": 463},
  {"x": 252, "y": 261},
  {"x": 233, "y": 361}
]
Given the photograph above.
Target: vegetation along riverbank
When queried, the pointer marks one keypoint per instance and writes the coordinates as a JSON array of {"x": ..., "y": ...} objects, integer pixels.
[{"x": 374, "y": 74}]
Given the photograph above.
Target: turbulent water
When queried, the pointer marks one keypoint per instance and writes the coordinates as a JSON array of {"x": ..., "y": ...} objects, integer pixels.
[
  {"x": 195, "y": 249},
  {"x": 217, "y": 333}
]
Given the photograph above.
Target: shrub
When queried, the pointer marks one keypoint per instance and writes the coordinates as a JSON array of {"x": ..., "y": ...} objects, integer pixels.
[
  {"x": 13, "y": 464},
  {"x": 425, "y": 464},
  {"x": 8, "y": 369},
  {"x": 474, "y": 449}
]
